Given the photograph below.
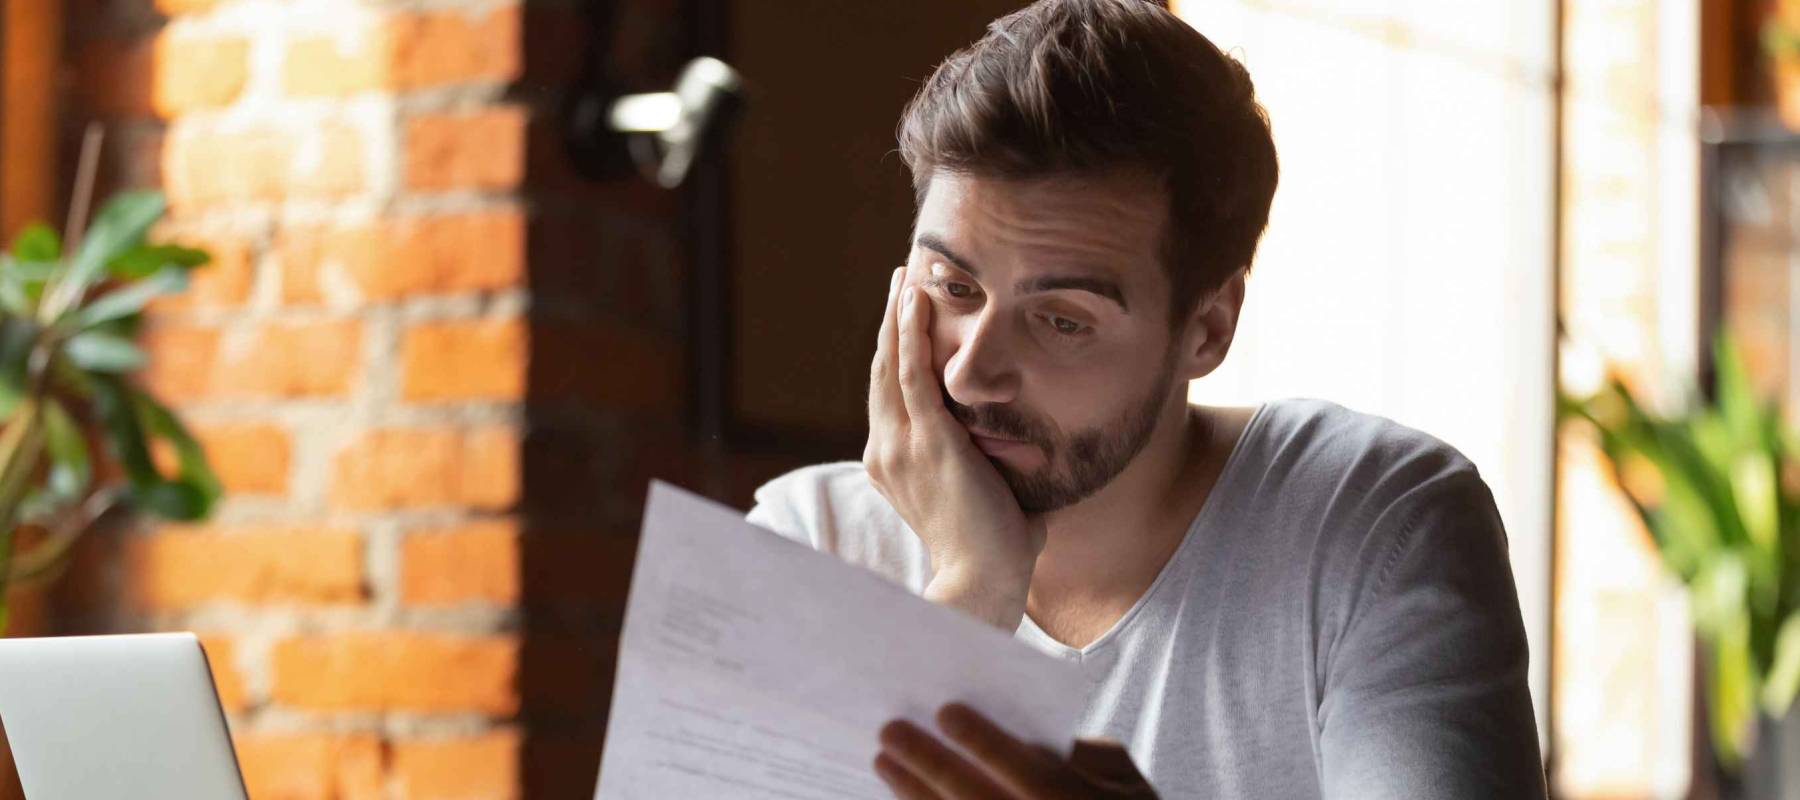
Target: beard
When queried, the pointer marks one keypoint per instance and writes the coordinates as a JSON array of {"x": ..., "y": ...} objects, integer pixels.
[{"x": 1077, "y": 465}]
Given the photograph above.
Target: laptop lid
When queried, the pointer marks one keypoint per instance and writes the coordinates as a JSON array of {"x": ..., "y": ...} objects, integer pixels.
[{"x": 116, "y": 716}]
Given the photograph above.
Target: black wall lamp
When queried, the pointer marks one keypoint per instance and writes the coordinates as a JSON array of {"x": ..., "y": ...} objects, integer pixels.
[{"x": 659, "y": 134}]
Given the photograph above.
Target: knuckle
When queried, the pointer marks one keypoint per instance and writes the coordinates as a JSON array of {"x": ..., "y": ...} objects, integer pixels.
[{"x": 908, "y": 374}]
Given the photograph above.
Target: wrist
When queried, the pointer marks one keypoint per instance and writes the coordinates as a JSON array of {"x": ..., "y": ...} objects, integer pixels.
[{"x": 994, "y": 596}]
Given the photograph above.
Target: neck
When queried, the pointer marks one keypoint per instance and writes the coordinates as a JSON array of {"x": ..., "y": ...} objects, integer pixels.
[{"x": 1118, "y": 539}]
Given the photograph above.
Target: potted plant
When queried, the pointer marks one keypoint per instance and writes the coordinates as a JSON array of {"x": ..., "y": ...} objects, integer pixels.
[
  {"x": 1718, "y": 489},
  {"x": 76, "y": 432},
  {"x": 1781, "y": 47}
]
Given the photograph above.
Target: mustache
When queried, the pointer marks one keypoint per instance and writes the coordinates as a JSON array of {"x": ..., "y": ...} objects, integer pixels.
[{"x": 999, "y": 420}]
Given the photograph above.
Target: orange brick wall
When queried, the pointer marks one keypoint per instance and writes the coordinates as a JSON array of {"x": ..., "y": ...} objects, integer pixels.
[{"x": 433, "y": 368}]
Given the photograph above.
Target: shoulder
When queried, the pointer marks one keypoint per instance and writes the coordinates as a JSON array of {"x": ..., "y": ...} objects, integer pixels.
[
  {"x": 1395, "y": 514},
  {"x": 834, "y": 508},
  {"x": 808, "y": 502},
  {"x": 1308, "y": 432},
  {"x": 1370, "y": 494},
  {"x": 1356, "y": 467}
]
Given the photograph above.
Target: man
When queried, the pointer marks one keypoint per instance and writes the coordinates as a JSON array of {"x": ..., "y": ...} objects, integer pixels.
[{"x": 1288, "y": 601}]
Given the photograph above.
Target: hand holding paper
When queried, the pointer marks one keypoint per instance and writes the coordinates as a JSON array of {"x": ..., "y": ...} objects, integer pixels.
[{"x": 751, "y": 666}]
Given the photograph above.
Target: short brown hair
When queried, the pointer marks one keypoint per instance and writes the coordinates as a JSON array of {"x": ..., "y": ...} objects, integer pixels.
[{"x": 1082, "y": 86}]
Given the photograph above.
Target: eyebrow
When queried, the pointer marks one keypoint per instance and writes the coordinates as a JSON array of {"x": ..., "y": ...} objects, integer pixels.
[{"x": 1047, "y": 283}]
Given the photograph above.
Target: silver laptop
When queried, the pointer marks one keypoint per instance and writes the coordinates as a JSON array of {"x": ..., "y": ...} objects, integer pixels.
[{"x": 116, "y": 716}]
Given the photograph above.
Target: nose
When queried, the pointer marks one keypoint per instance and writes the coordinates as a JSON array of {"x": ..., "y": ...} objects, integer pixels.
[{"x": 981, "y": 367}]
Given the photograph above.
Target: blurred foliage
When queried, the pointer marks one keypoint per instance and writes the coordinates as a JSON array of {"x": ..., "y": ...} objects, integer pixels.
[
  {"x": 78, "y": 433},
  {"x": 1718, "y": 489},
  {"x": 1780, "y": 31}
]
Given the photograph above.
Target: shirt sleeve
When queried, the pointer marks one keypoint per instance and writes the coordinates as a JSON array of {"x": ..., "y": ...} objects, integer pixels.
[
  {"x": 778, "y": 509},
  {"x": 1425, "y": 690}
]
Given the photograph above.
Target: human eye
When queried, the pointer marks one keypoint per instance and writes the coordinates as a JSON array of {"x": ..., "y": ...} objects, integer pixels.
[
  {"x": 955, "y": 290},
  {"x": 1065, "y": 327}
]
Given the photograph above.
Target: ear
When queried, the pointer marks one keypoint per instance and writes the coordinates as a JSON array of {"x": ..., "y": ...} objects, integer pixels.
[{"x": 1210, "y": 327}]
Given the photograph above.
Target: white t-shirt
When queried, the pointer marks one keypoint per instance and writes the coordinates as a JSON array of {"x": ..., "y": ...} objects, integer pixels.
[{"x": 1339, "y": 621}]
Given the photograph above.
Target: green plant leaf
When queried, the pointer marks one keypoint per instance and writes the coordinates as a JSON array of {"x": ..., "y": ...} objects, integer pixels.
[
  {"x": 99, "y": 351},
  {"x": 129, "y": 417},
  {"x": 119, "y": 226},
  {"x": 130, "y": 299},
  {"x": 124, "y": 433},
  {"x": 148, "y": 259},
  {"x": 1732, "y": 692},
  {"x": 70, "y": 470},
  {"x": 14, "y": 299},
  {"x": 37, "y": 242},
  {"x": 1753, "y": 485},
  {"x": 192, "y": 492},
  {"x": 1736, "y": 396},
  {"x": 1783, "y": 680},
  {"x": 22, "y": 284},
  {"x": 1719, "y": 593}
]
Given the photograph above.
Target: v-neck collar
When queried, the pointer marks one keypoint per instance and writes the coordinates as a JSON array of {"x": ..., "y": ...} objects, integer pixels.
[{"x": 1029, "y": 627}]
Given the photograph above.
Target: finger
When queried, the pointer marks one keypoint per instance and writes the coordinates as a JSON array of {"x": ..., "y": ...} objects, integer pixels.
[
  {"x": 905, "y": 785},
  {"x": 919, "y": 387},
  {"x": 885, "y": 403},
  {"x": 935, "y": 764},
  {"x": 1105, "y": 763},
  {"x": 1024, "y": 769}
]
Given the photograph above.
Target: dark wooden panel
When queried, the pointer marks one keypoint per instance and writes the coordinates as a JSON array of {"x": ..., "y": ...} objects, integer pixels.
[{"x": 820, "y": 206}]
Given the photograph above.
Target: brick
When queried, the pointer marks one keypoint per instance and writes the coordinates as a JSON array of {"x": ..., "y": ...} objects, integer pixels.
[
  {"x": 197, "y": 72},
  {"x": 208, "y": 166},
  {"x": 249, "y": 458},
  {"x": 422, "y": 467},
  {"x": 477, "y": 562},
  {"x": 312, "y": 766},
  {"x": 353, "y": 60},
  {"x": 407, "y": 50},
  {"x": 228, "y": 680},
  {"x": 181, "y": 360},
  {"x": 183, "y": 567},
  {"x": 483, "y": 767},
  {"x": 480, "y": 150},
  {"x": 223, "y": 282},
  {"x": 205, "y": 167},
  {"x": 438, "y": 254},
  {"x": 397, "y": 670},
  {"x": 491, "y": 471},
  {"x": 291, "y": 359},
  {"x": 329, "y": 163},
  {"x": 276, "y": 359},
  {"x": 483, "y": 359}
]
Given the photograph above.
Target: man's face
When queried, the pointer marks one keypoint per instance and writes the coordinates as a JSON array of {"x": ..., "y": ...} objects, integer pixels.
[{"x": 1049, "y": 327}]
